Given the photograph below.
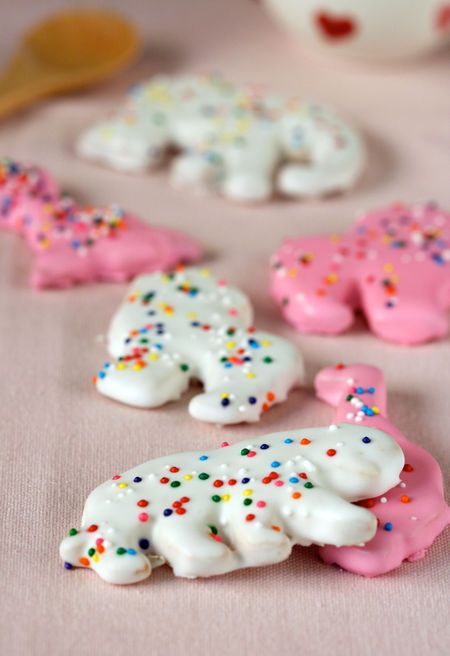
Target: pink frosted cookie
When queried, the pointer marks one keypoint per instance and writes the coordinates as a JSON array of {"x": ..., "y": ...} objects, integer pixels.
[
  {"x": 75, "y": 245},
  {"x": 411, "y": 515},
  {"x": 394, "y": 264}
]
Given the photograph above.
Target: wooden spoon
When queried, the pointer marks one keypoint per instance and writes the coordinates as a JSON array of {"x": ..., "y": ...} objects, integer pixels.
[{"x": 72, "y": 49}]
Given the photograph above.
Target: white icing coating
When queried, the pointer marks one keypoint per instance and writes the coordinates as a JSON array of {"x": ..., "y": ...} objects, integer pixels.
[
  {"x": 173, "y": 328},
  {"x": 211, "y": 512},
  {"x": 232, "y": 139},
  {"x": 315, "y": 134}
]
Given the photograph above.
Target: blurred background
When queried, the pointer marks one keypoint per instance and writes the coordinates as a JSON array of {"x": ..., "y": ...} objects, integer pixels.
[{"x": 330, "y": 51}]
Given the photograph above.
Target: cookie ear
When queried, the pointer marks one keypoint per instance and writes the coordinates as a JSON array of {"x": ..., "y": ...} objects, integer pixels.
[{"x": 356, "y": 385}]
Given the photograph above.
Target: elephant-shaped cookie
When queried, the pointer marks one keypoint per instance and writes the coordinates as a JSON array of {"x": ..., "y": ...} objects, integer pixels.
[
  {"x": 242, "y": 505},
  {"x": 72, "y": 244},
  {"x": 234, "y": 140},
  {"x": 410, "y": 515},
  {"x": 393, "y": 264},
  {"x": 186, "y": 325}
]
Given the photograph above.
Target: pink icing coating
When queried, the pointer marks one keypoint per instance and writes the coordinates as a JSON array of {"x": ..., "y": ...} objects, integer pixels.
[
  {"x": 394, "y": 264},
  {"x": 411, "y": 515},
  {"x": 19, "y": 181},
  {"x": 75, "y": 245}
]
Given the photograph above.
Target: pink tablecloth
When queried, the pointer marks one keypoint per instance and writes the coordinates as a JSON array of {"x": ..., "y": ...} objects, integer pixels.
[{"x": 59, "y": 438}]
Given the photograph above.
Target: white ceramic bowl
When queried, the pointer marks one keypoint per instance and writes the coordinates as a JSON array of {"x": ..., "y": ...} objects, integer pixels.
[{"x": 366, "y": 29}]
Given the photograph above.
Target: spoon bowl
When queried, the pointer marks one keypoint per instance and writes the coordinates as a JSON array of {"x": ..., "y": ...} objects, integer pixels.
[{"x": 68, "y": 51}]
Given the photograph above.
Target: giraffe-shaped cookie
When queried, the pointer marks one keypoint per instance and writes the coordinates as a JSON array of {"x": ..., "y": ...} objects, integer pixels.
[
  {"x": 410, "y": 515},
  {"x": 175, "y": 327},
  {"x": 237, "y": 141},
  {"x": 243, "y": 505},
  {"x": 393, "y": 264},
  {"x": 72, "y": 244}
]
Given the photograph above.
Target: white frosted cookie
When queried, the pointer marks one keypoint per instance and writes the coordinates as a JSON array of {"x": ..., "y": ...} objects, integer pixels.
[
  {"x": 172, "y": 328},
  {"x": 157, "y": 114},
  {"x": 211, "y": 512},
  {"x": 322, "y": 153},
  {"x": 233, "y": 140}
]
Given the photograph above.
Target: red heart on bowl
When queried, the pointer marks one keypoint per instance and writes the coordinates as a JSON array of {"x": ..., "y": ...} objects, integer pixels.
[
  {"x": 335, "y": 27},
  {"x": 443, "y": 18}
]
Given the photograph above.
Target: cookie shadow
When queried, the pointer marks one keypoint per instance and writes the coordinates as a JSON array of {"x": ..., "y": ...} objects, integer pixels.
[{"x": 382, "y": 161}]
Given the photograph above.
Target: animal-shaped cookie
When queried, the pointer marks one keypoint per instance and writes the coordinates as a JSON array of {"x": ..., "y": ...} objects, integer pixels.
[
  {"x": 234, "y": 140},
  {"x": 248, "y": 504},
  {"x": 72, "y": 244},
  {"x": 410, "y": 515},
  {"x": 186, "y": 325},
  {"x": 393, "y": 264}
]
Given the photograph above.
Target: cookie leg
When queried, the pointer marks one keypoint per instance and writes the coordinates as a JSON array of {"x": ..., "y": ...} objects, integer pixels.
[
  {"x": 144, "y": 380},
  {"x": 249, "y": 163},
  {"x": 192, "y": 549},
  {"x": 258, "y": 373},
  {"x": 405, "y": 316},
  {"x": 313, "y": 296},
  {"x": 314, "y": 179},
  {"x": 200, "y": 171},
  {"x": 115, "y": 562},
  {"x": 59, "y": 268},
  {"x": 326, "y": 155},
  {"x": 260, "y": 544},
  {"x": 321, "y": 517}
]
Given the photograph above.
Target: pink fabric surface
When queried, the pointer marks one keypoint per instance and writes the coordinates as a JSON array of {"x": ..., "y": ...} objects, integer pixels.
[{"x": 60, "y": 439}]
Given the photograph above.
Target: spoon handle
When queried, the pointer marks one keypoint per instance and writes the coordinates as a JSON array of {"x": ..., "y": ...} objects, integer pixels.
[{"x": 21, "y": 85}]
